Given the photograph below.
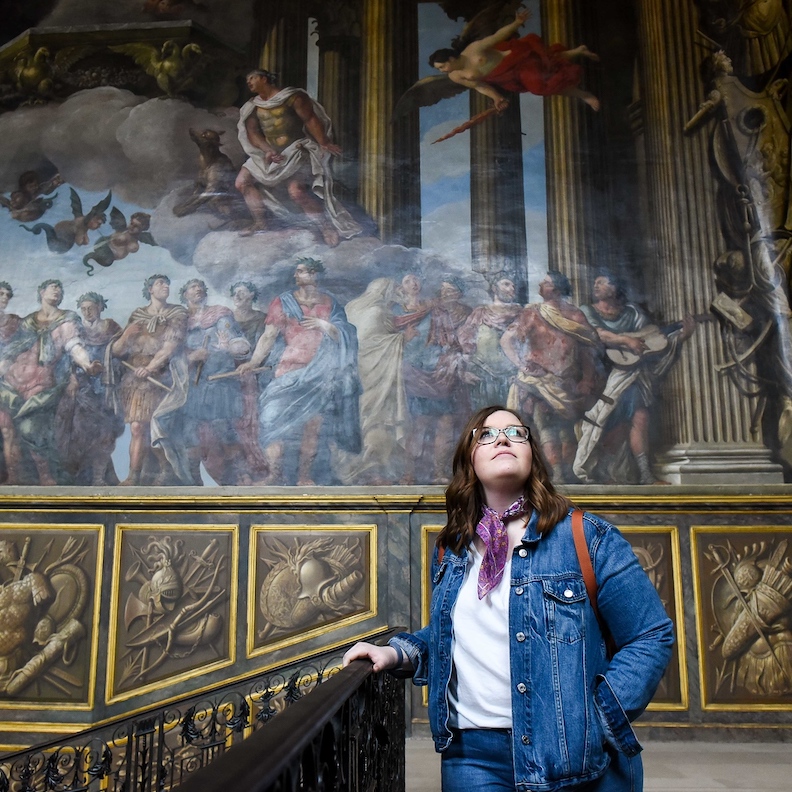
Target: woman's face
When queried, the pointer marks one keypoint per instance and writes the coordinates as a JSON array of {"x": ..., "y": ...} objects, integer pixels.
[
  {"x": 503, "y": 463},
  {"x": 411, "y": 285}
]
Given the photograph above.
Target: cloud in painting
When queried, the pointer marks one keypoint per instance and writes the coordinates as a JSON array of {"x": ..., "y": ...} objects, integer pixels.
[
  {"x": 268, "y": 260},
  {"x": 448, "y": 159},
  {"x": 20, "y": 143},
  {"x": 107, "y": 138},
  {"x": 446, "y": 230}
]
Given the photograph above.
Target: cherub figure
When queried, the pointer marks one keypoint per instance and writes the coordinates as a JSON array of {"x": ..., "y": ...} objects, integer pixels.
[
  {"x": 126, "y": 239},
  {"x": 490, "y": 64},
  {"x": 28, "y": 203},
  {"x": 67, "y": 233}
]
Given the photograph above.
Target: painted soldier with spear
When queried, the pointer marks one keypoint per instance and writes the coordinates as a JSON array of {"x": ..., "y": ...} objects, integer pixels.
[{"x": 154, "y": 386}]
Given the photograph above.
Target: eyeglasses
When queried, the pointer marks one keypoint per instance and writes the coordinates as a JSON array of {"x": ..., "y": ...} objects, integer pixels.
[{"x": 489, "y": 434}]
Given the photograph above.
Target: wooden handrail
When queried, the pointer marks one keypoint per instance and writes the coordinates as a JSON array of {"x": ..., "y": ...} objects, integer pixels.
[{"x": 255, "y": 764}]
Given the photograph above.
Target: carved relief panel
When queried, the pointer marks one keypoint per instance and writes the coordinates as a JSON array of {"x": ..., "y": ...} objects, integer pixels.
[
  {"x": 174, "y": 605},
  {"x": 743, "y": 584},
  {"x": 306, "y": 581},
  {"x": 50, "y": 579},
  {"x": 657, "y": 550}
]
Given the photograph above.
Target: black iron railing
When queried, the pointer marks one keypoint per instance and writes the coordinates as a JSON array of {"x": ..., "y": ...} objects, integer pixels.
[
  {"x": 348, "y": 735},
  {"x": 350, "y": 728}
]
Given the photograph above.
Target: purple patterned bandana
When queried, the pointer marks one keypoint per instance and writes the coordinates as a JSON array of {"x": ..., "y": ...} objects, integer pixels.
[{"x": 492, "y": 530}]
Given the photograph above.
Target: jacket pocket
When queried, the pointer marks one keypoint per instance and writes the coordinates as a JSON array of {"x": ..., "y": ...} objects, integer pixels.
[{"x": 565, "y": 606}]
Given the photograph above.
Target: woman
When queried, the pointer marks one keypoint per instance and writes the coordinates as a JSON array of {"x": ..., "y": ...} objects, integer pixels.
[
  {"x": 521, "y": 693},
  {"x": 383, "y": 403}
]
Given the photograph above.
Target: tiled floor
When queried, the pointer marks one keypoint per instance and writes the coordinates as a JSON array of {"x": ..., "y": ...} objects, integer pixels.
[{"x": 668, "y": 766}]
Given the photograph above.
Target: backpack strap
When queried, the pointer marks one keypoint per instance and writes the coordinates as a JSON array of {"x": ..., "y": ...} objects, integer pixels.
[{"x": 589, "y": 578}]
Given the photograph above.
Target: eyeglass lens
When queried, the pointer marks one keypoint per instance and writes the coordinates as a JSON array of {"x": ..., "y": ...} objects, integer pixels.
[{"x": 517, "y": 434}]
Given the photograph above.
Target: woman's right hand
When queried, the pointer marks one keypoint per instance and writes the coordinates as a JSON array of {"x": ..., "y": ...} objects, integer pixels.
[{"x": 383, "y": 658}]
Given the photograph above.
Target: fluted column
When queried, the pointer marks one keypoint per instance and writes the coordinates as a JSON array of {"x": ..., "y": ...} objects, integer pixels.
[
  {"x": 339, "y": 85},
  {"x": 707, "y": 423},
  {"x": 497, "y": 199},
  {"x": 284, "y": 45},
  {"x": 570, "y": 215},
  {"x": 389, "y": 153}
]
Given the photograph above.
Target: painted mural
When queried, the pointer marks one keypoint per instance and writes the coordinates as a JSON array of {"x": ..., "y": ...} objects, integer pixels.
[{"x": 238, "y": 249}]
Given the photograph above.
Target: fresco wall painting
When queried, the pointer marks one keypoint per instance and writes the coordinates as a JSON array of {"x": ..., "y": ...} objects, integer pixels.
[{"x": 310, "y": 273}]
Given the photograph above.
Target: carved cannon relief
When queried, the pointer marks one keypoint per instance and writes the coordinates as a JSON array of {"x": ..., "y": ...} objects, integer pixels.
[{"x": 304, "y": 580}]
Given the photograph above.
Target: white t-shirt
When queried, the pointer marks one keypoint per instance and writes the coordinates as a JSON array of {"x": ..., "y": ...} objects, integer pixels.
[{"x": 480, "y": 689}]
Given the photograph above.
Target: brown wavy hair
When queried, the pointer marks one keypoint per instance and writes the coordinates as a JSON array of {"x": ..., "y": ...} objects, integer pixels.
[{"x": 465, "y": 495}]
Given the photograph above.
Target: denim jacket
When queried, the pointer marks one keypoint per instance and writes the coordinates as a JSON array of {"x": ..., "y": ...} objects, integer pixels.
[{"x": 571, "y": 706}]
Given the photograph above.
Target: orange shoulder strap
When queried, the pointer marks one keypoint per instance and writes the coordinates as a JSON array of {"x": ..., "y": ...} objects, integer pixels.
[
  {"x": 584, "y": 559},
  {"x": 589, "y": 578}
]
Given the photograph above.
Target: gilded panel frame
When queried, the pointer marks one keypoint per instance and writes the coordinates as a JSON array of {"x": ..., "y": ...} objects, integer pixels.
[
  {"x": 705, "y": 607},
  {"x": 126, "y": 529},
  {"x": 93, "y": 650},
  {"x": 256, "y": 531},
  {"x": 676, "y": 612}
]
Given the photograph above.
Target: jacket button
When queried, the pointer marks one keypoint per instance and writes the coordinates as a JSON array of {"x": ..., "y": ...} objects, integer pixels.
[
  {"x": 520, "y": 636},
  {"x": 521, "y": 688},
  {"x": 518, "y": 590},
  {"x": 526, "y": 740},
  {"x": 523, "y": 552},
  {"x": 569, "y": 593}
]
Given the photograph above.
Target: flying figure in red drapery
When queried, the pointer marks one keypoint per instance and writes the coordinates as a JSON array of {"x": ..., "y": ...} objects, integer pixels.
[{"x": 491, "y": 64}]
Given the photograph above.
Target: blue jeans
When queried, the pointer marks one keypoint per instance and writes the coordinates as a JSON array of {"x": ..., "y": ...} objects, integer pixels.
[{"x": 480, "y": 760}]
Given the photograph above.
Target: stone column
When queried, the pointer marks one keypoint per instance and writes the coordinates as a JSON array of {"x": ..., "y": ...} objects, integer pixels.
[
  {"x": 339, "y": 86},
  {"x": 389, "y": 153},
  {"x": 572, "y": 245},
  {"x": 284, "y": 29},
  {"x": 707, "y": 423},
  {"x": 497, "y": 199}
]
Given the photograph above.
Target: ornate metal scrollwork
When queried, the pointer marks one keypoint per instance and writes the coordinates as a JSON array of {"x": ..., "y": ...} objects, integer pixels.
[{"x": 164, "y": 748}]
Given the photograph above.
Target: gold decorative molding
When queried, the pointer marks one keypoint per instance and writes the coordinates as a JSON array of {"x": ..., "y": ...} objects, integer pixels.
[
  {"x": 53, "y": 574},
  {"x": 743, "y": 593},
  {"x": 306, "y": 581},
  {"x": 676, "y": 676},
  {"x": 179, "y": 589}
]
